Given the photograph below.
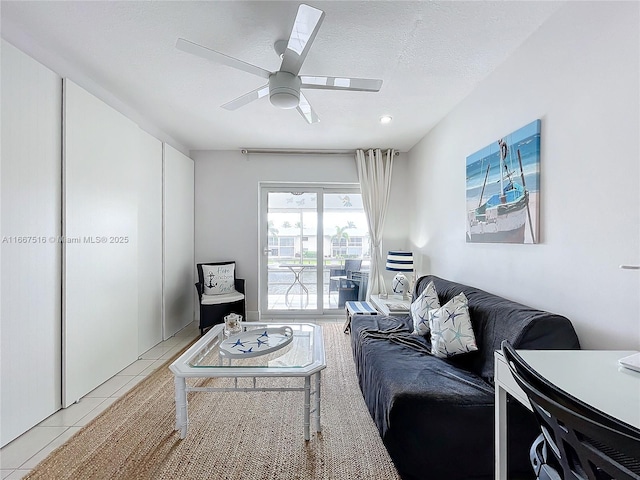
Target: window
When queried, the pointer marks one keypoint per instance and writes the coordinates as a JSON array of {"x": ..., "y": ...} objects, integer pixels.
[{"x": 314, "y": 226}]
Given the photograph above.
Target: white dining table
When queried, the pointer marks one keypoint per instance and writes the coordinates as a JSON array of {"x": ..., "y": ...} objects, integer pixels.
[{"x": 593, "y": 376}]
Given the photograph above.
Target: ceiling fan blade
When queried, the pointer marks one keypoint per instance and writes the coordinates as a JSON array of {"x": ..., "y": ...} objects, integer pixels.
[
  {"x": 341, "y": 83},
  {"x": 204, "y": 52},
  {"x": 241, "y": 101},
  {"x": 306, "y": 110},
  {"x": 304, "y": 31}
]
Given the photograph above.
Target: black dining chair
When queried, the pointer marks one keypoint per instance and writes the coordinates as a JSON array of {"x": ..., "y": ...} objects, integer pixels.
[{"x": 577, "y": 442}]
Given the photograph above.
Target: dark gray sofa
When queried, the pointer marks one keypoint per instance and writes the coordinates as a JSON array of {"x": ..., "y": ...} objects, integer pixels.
[{"x": 436, "y": 416}]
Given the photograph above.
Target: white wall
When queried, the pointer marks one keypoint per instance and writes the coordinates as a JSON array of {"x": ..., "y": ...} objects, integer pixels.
[
  {"x": 31, "y": 272},
  {"x": 178, "y": 242},
  {"x": 579, "y": 74},
  {"x": 226, "y": 203}
]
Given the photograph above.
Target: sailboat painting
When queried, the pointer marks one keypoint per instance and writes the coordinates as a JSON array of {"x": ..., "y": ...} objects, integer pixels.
[{"x": 503, "y": 187}]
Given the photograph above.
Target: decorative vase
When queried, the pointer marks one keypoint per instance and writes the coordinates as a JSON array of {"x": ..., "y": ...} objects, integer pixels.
[{"x": 400, "y": 284}]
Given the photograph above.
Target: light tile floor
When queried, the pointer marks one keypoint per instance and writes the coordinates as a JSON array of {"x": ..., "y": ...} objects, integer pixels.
[{"x": 25, "y": 452}]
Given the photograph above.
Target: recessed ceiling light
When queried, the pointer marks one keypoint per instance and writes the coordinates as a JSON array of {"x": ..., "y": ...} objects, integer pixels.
[{"x": 385, "y": 119}]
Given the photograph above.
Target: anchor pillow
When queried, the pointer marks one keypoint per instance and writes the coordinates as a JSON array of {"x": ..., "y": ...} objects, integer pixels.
[
  {"x": 427, "y": 301},
  {"x": 219, "y": 279},
  {"x": 451, "y": 330}
]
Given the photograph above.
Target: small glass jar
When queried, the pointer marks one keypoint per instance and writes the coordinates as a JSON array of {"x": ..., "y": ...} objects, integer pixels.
[{"x": 232, "y": 324}]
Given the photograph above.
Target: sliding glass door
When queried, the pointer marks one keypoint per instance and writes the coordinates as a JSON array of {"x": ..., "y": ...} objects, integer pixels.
[{"x": 307, "y": 234}]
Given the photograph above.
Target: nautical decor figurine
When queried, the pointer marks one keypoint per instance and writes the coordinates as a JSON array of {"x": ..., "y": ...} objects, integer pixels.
[
  {"x": 400, "y": 284},
  {"x": 401, "y": 262}
]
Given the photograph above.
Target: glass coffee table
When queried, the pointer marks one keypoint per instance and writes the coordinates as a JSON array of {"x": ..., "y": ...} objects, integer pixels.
[{"x": 290, "y": 350}]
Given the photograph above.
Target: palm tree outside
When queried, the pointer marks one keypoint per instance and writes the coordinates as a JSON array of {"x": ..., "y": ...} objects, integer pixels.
[{"x": 340, "y": 240}]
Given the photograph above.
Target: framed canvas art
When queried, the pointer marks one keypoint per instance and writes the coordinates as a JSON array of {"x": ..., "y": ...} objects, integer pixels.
[{"x": 503, "y": 188}]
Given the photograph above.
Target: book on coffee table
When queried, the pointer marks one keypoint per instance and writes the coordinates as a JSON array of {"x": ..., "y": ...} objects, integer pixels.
[
  {"x": 397, "y": 307},
  {"x": 632, "y": 362}
]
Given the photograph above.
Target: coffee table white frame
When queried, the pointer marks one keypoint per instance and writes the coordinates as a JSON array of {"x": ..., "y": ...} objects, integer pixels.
[{"x": 182, "y": 369}]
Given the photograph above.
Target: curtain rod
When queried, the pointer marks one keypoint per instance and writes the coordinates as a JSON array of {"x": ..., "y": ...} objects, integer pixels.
[{"x": 246, "y": 151}]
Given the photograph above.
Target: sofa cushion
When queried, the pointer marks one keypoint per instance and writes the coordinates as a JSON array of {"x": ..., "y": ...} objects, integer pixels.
[
  {"x": 221, "y": 298},
  {"x": 451, "y": 330},
  {"x": 219, "y": 279},
  {"x": 420, "y": 308},
  {"x": 396, "y": 371}
]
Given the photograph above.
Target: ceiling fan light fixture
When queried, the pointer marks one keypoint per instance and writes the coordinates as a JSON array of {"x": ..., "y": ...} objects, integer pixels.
[
  {"x": 284, "y": 90},
  {"x": 284, "y": 99},
  {"x": 280, "y": 46},
  {"x": 385, "y": 119}
]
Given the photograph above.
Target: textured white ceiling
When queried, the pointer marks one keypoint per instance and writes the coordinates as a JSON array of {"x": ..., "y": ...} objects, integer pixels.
[{"x": 430, "y": 55}]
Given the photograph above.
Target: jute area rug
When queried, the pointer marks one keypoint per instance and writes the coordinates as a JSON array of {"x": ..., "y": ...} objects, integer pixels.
[{"x": 232, "y": 435}]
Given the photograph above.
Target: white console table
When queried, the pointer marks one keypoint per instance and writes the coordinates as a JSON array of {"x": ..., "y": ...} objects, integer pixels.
[
  {"x": 592, "y": 376},
  {"x": 393, "y": 305}
]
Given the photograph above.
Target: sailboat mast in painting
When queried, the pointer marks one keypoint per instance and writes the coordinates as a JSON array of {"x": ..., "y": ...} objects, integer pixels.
[{"x": 503, "y": 188}]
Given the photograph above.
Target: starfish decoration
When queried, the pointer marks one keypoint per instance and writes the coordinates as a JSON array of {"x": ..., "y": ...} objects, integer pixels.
[
  {"x": 452, "y": 316},
  {"x": 423, "y": 320},
  {"x": 458, "y": 335},
  {"x": 436, "y": 335}
]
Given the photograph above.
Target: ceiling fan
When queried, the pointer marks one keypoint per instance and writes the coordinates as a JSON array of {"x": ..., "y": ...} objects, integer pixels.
[{"x": 285, "y": 84}]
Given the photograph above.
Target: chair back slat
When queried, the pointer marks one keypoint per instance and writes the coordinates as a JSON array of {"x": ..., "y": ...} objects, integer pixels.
[{"x": 352, "y": 265}]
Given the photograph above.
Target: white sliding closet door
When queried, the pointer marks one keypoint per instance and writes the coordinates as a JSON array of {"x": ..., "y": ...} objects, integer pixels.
[
  {"x": 179, "y": 267},
  {"x": 149, "y": 242},
  {"x": 31, "y": 254},
  {"x": 100, "y": 310}
]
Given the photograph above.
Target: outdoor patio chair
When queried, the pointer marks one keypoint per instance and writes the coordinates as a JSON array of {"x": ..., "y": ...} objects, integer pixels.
[{"x": 337, "y": 284}]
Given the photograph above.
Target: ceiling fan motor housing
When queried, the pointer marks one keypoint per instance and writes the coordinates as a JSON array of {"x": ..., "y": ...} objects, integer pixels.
[{"x": 284, "y": 90}]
